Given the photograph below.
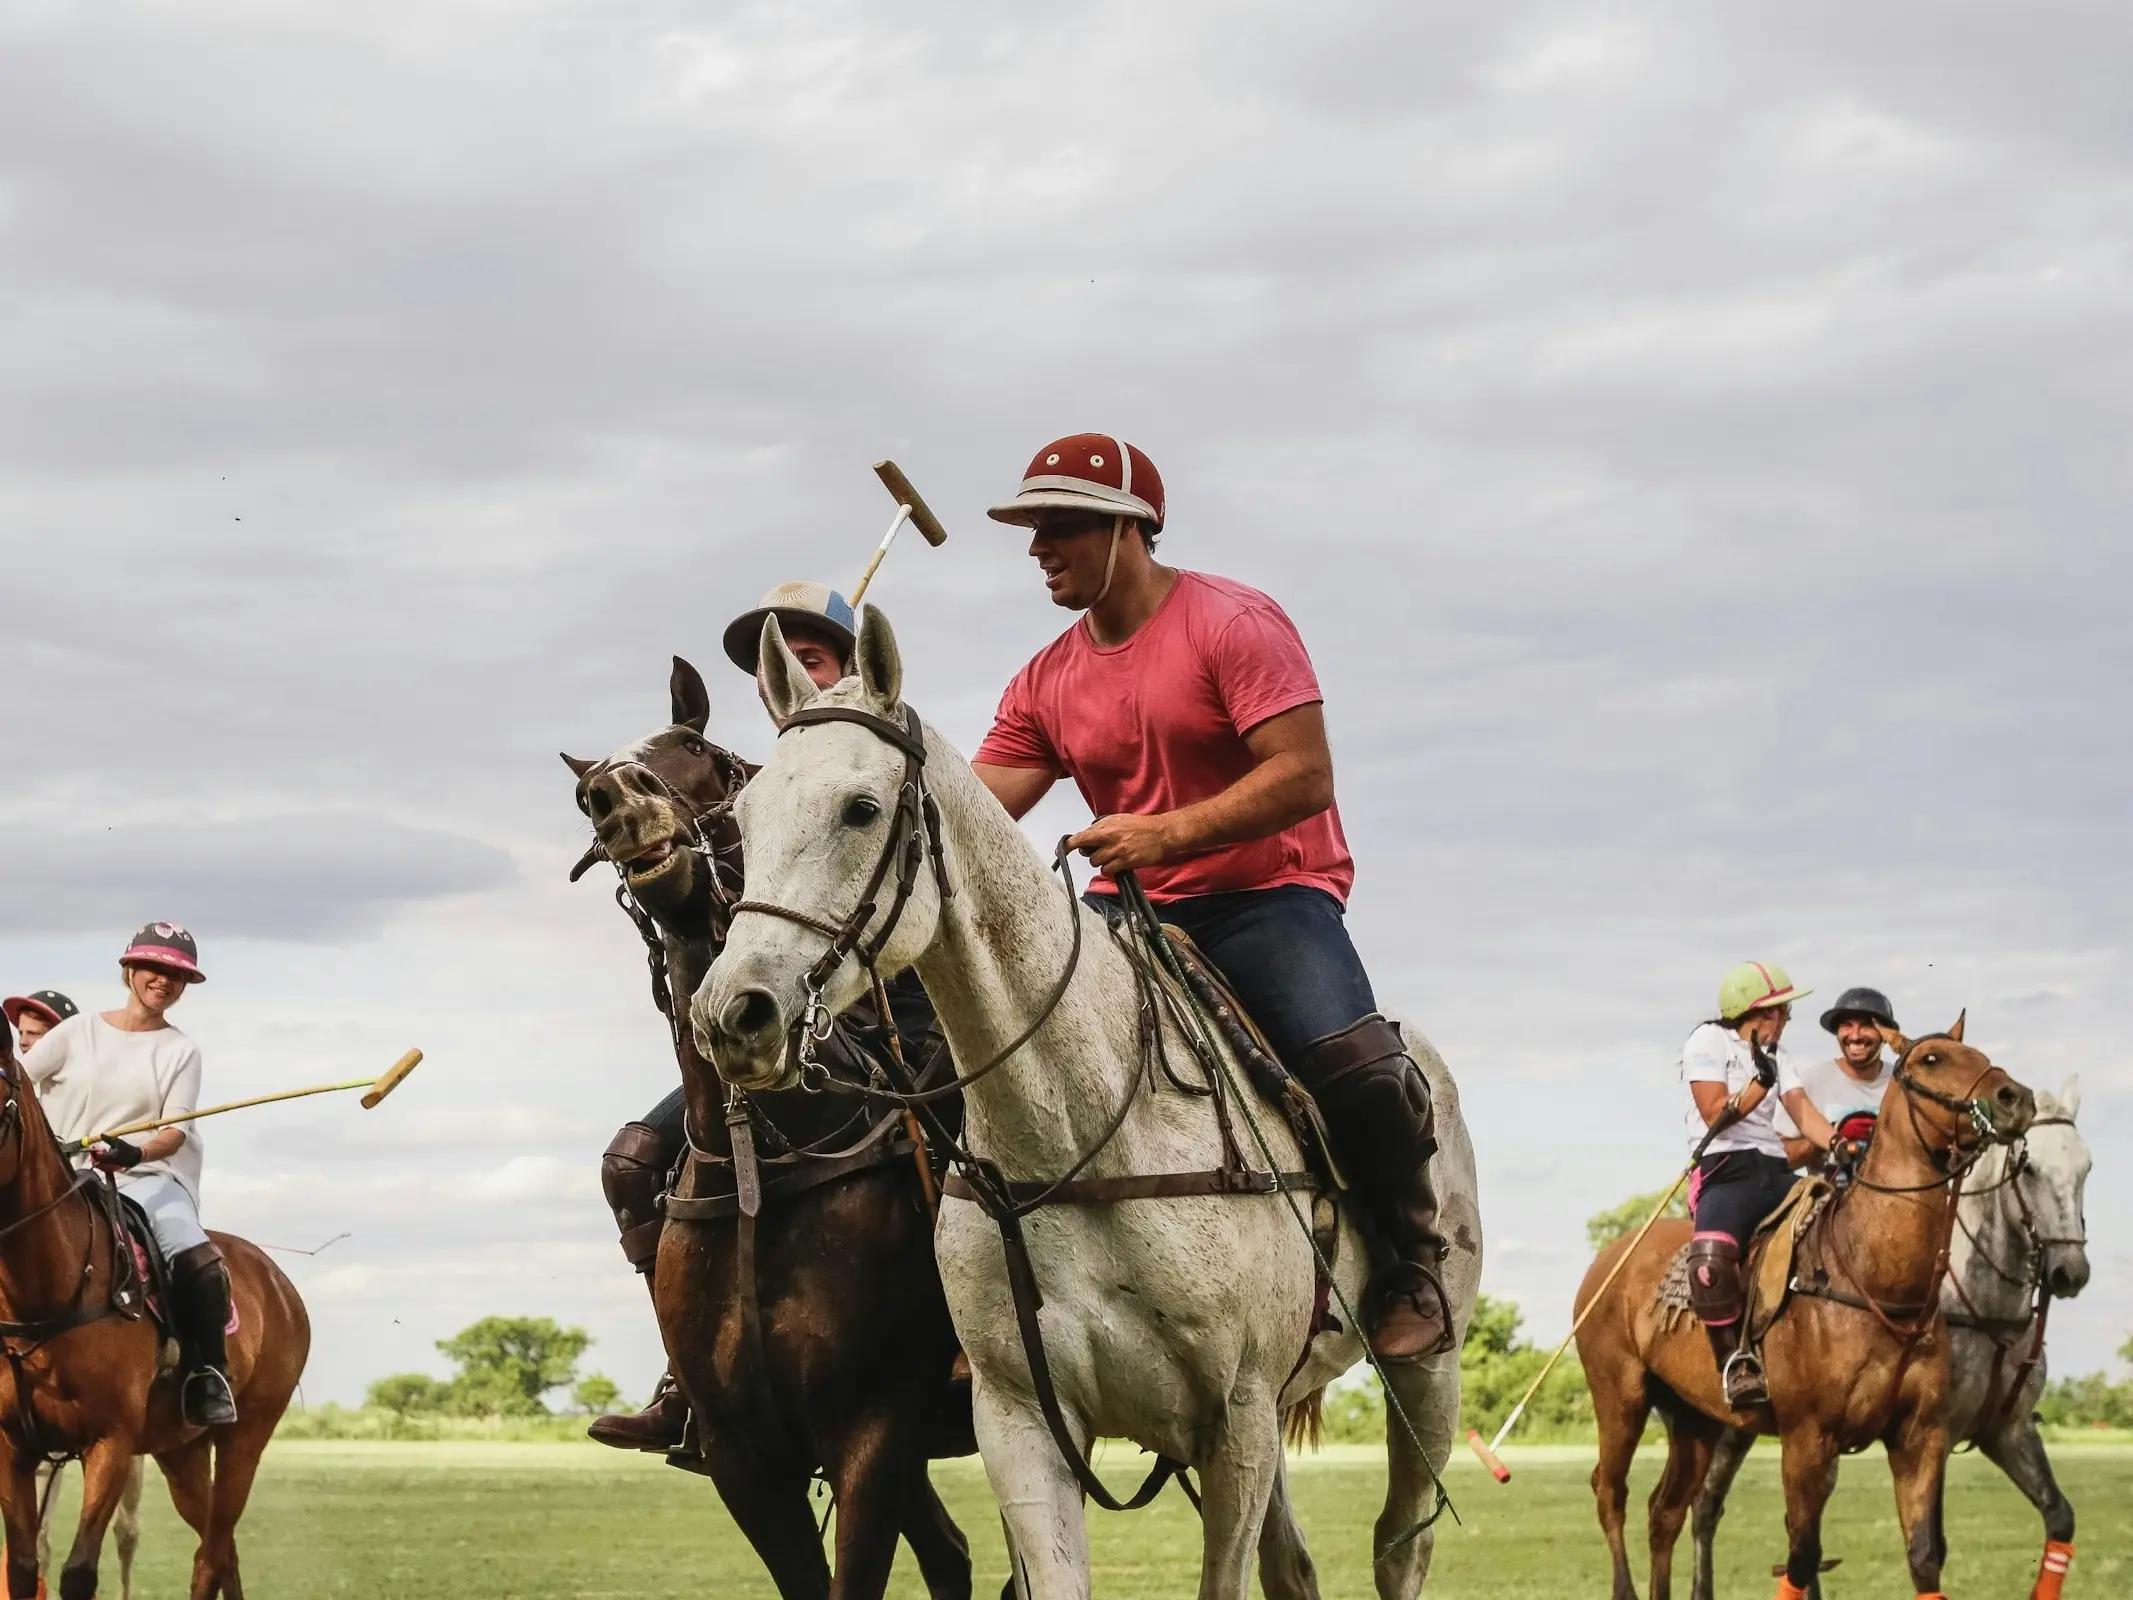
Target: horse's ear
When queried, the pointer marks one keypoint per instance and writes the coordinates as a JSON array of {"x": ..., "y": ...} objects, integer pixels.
[
  {"x": 1955, "y": 1028},
  {"x": 692, "y": 701},
  {"x": 1894, "y": 1038},
  {"x": 786, "y": 685},
  {"x": 575, "y": 765},
  {"x": 2070, "y": 1094},
  {"x": 881, "y": 664}
]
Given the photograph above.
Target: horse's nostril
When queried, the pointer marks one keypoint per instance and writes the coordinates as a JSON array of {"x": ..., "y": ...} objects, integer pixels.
[
  {"x": 750, "y": 1013},
  {"x": 2010, "y": 1096},
  {"x": 602, "y": 802}
]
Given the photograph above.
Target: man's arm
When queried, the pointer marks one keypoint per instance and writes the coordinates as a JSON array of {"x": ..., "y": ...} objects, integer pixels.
[
  {"x": 1808, "y": 1118},
  {"x": 1017, "y": 788},
  {"x": 1291, "y": 779}
]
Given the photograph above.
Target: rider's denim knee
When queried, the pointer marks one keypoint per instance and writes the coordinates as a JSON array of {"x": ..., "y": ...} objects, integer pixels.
[{"x": 1287, "y": 953}]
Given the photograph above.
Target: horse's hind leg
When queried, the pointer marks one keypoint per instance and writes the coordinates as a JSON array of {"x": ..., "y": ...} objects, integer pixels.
[
  {"x": 1286, "y": 1570},
  {"x": 1622, "y": 1408},
  {"x": 1733, "y": 1447},
  {"x": 1428, "y": 1392},
  {"x": 943, "y": 1553},
  {"x": 1690, "y": 1437},
  {"x": 126, "y": 1526}
]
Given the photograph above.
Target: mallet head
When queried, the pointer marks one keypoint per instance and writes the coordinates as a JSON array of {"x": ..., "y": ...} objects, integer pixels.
[
  {"x": 390, "y": 1080},
  {"x": 922, "y": 517}
]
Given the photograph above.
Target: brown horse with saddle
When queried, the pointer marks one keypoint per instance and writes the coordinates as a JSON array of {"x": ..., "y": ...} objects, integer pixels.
[
  {"x": 787, "y": 1237},
  {"x": 1847, "y": 1312},
  {"x": 88, "y": 1372}
]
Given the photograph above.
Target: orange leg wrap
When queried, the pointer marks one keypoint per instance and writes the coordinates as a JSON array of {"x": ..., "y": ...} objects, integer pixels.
[
  {"x": 2051, "y": 1576},
  {"x": 1788, "y": 1590}
]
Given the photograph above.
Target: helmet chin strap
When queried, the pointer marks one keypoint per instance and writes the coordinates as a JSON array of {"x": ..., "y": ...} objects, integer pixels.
[{"x": 1118, "y": 528}]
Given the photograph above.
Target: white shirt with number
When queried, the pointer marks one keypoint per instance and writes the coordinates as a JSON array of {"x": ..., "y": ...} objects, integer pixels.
[
  {"x": 92, "y": 1077},
  {"x": 1716, "y": 1054},
  {"x": 1836, "y": 1093}
]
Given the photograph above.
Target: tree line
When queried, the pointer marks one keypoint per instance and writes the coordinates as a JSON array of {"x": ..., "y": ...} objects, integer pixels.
[{"x": 507, "y": 1367}]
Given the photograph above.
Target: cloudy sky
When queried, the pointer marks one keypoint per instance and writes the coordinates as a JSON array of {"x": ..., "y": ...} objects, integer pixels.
[{"x": 1692, "y": 442}]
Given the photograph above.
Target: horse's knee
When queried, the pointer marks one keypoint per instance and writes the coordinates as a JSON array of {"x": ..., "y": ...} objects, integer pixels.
[
  {"x": 78, "y": 1583},
  {"x": 21, "y": 1574},
  {"x": 2059, "y": 1519}
]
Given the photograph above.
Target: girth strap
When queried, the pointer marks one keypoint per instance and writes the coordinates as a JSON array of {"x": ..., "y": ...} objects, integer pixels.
[
  {"x": 785, "y": 1184},
  {"x": 1027, "y": 1192}
]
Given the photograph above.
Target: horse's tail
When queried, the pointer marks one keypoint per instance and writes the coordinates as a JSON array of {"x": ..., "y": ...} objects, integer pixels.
[{"x": 1304, "y": 1425}]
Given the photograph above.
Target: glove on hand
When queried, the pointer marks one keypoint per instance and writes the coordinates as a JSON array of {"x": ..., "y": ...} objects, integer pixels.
[
  {"x": 1766, "y": 1067},
  {"x": 114, "y": 1155}
]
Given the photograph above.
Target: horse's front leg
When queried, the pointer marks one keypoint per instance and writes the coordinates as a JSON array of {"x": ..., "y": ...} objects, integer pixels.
[
  {"x": 105, "y": 1467},
  {"x": 20, "y": 1479},
  {"x": 1286, "y": 1570},
  {"x": 1810, "y": 1473},
  {"x": 1428, "y": 1393},
  {"x": 2016, "y": 1448},
  {"x": 1235, "y": 1484},
  {"x": 873, "y": 1467},
  {"x": 1039, "y": 1497},
  {"x": 1918, "y": 1460}
]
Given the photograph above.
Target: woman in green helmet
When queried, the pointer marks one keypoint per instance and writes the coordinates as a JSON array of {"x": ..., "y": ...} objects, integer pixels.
[{"x": 1730, "y": 1066}]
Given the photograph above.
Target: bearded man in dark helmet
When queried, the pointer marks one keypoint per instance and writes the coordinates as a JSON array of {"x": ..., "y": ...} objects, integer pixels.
[
  {"x": 1185, "y": 708},
  {"x": 1845, "y": 1088}
]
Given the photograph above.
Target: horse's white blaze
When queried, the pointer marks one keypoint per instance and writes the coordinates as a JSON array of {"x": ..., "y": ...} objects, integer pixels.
[{"x": 1173, "y": 1323}]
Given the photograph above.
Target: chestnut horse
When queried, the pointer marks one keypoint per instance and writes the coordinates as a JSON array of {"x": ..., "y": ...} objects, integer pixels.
[
  {"x": 1860, "y": 1353},
  {"x": 830, "y": 1350},
  {"x": 81, "y": 1373}
]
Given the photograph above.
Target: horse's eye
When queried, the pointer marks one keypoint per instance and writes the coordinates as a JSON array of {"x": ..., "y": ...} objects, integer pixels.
[
  {"x": 582, "y": 806},
  {"x": 695, "y": 747},
  {"x": 860, "y": 810},
  {"x": 1932, "y": 1058}
]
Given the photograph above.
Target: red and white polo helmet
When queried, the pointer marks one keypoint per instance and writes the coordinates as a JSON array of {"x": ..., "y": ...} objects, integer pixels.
[{"x": 1087, "y": 472}]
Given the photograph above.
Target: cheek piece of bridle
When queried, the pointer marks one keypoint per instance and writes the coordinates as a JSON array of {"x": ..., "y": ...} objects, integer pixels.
[{"x": 914, "y": 838}]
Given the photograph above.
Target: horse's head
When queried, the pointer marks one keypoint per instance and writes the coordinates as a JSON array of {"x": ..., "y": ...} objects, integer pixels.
[
  {"x": 838, "y": 830},
  {"x": 650, "y": 800},
  {"x": 2052, "y": 1172},
  {"x": 1955, "y": 1096}
]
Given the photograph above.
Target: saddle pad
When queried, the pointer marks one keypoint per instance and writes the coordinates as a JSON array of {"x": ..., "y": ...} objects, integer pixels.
[{"x": 1770, "y": 1252}]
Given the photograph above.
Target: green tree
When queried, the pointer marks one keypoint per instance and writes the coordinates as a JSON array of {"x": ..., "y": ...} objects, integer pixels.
[
  {"x": 596, "y": 1395},
  {"x": 506, "y": 1364},
  {"x": 1625, "y": 1219},
  {"x": 411, "y": 1394}
]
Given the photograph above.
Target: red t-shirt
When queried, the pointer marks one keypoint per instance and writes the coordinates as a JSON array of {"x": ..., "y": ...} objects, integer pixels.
[{"x": 1159, "y": 722}]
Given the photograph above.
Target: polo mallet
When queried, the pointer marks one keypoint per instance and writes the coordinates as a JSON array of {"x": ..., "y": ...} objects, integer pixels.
[
  {"x": 378, "y": 1087},
  {"x": 1487, "y": 1452},
  {"x": 909, "y": 508}
]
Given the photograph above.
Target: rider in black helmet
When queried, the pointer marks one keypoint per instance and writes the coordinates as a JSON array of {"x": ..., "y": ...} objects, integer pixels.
[{"x": 1846, "y": 1088}]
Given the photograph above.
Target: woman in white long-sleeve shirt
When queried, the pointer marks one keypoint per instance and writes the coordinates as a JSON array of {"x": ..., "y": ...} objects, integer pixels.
[{"x": 109, "y": 1069}]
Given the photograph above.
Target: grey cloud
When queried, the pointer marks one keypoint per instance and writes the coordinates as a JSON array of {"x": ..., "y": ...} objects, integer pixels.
[{"x": 309, "y": 876}]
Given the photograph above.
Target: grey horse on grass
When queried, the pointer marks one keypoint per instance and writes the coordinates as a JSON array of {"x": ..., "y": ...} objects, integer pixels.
[
  {"x": 1184, "y": 1323},
  {"x": 2020, "y": 1242}
]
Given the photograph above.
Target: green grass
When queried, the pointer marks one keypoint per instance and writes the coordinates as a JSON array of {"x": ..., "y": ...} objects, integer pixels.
[{"x": 467, "y": 1521}]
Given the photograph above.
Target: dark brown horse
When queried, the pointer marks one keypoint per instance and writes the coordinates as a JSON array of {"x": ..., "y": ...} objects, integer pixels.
[
  {"x": 816, "y": 1338},
  {"x": 81, "y": 1373},
  {"x": 1860, "y": 1355}
]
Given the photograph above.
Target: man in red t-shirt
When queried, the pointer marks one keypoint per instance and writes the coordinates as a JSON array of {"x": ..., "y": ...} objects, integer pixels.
[{"x": 1185, "y": 710}]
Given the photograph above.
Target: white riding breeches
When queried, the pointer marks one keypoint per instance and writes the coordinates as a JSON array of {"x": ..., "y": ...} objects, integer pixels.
[{"x": 172, "y": 1213}]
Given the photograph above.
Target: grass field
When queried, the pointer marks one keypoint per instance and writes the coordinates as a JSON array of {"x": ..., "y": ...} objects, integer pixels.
[{"x": 529, "y": 1520}]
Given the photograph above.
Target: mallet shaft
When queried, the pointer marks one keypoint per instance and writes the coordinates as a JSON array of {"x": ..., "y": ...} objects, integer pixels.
[
  {"x": 380, "y": 1087},
  {"x": 903, "y": 515}
]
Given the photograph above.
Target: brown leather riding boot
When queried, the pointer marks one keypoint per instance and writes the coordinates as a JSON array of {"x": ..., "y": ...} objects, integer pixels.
[
  {"x": 657, "y": 1427},
  {"x": 1376, "y": 1107},
  {"x": 1718, "y": 1296}
]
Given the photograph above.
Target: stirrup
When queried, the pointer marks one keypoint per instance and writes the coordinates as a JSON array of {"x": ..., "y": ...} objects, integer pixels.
[
  {"x": 206, "y": 1399},
  {"x": 1743, "y": 1382}
]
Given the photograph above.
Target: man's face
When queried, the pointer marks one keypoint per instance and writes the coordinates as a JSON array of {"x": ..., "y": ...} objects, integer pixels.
[
  {"x": 157, "y": 988},
  {"x": 816, "y": 652},
  {"x": 1072, "y": 547},
  {"x": 1859, "y": 1039},
  {"x": 30, "y": 1026}
]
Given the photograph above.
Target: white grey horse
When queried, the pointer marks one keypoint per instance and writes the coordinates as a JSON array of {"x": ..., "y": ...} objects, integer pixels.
[
  {"x": 2020, "y": 1241},
  {"x": 1180, "y": 1323}
]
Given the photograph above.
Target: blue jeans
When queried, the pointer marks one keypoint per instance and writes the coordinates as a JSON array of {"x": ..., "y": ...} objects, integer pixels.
[{"x": 1286, "y": 952}]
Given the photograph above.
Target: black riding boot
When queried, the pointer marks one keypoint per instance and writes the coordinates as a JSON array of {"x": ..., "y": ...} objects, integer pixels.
[
  {"x": 1377, "y": 1110},
  {"x": 200, "y": 1285}
]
